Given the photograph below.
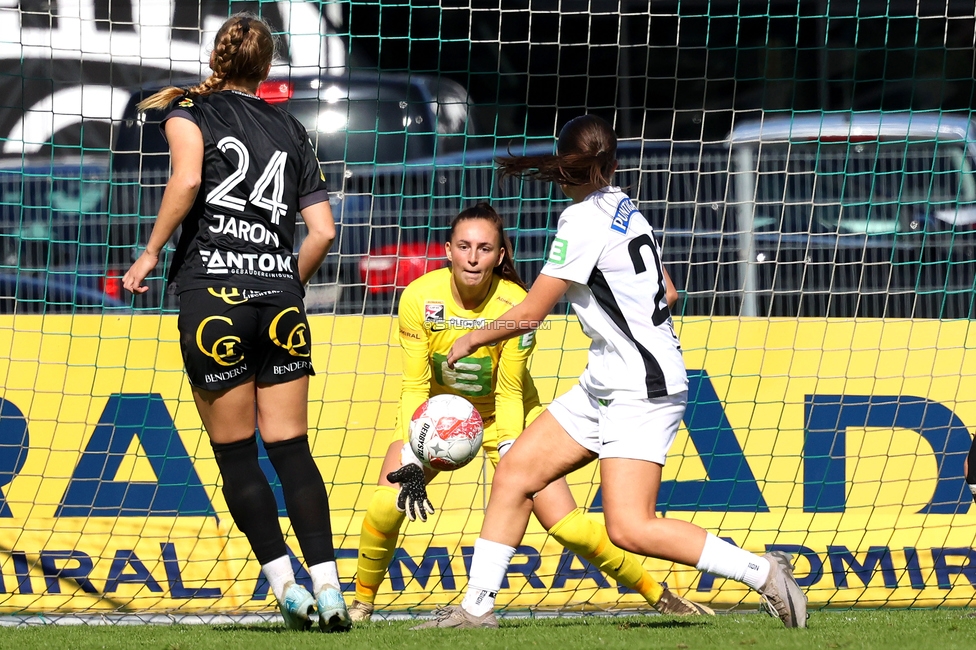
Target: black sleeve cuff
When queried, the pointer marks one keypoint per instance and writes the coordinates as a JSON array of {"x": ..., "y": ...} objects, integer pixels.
[
  {"x": 317, "y": 196},
  {"x": 177, "y": 112}
]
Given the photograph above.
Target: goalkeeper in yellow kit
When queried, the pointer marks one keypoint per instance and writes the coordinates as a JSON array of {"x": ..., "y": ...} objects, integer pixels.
[{"x": 435, "y": 310}]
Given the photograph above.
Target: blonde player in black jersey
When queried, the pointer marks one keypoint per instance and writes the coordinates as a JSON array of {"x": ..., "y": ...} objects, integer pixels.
[
  {"x": 629, "y": 402},
  {"x": 435, "y": 311},
  {"x": 242, "y": 170}
]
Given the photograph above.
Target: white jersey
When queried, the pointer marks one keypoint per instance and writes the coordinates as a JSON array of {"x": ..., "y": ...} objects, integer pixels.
[{"x": 607, "y": 250}]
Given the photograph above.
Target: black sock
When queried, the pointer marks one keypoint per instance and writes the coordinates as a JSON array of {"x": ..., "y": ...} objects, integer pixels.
[
  {"x": 249, "y": 498},
  {"x": 305, "y": 498}
]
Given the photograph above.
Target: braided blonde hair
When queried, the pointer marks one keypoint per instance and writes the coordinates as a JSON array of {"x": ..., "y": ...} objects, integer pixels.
[{"x": 243, "y": 50}]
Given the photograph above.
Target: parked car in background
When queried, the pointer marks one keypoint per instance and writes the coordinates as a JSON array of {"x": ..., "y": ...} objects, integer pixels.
[
  {"x": 867, "y": 215},
  {"x": 54, "y": 253},
  {"x": 356, "y": 122}
]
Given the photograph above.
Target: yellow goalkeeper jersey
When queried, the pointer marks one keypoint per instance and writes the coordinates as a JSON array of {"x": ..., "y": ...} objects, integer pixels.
[{"x": 495, "y": 378}]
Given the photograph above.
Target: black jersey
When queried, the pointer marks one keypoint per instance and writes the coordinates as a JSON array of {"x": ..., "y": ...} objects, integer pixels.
[{"x": 259, "y": 169}]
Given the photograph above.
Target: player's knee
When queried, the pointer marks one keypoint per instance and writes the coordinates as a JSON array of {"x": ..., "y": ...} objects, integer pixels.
[
  {"x": 505, "y": 477},
  {"x": 512, "y": 477},
  {"x": 238, "y": 464},
  {"x": 624, "y": 535},
  {"x": 243, "y": 492},
  {"x": 624, "y": 539},
  {"x": 382, "y": 514},
  {"x": 633, "y": 532}
]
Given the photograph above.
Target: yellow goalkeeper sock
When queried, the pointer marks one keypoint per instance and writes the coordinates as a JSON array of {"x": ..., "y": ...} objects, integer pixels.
[
  {"x": 377, "y": 542},
  {"x": 590, "y": 541}
]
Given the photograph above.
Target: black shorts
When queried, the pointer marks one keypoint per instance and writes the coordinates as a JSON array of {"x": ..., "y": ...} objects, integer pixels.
[{"x": 229, "y": 335}]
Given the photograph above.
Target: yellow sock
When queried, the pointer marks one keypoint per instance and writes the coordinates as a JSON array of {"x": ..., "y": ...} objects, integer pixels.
[
  {"x": 590, "y": 541},
  {"x": 377, "y": 542}
]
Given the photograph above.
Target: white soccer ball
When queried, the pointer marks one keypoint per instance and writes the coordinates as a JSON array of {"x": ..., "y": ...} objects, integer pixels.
[{"x": 446, "y": 432}]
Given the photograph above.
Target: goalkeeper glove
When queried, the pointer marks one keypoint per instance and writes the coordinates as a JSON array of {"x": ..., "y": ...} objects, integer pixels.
[{"x": 412, "y": 498}]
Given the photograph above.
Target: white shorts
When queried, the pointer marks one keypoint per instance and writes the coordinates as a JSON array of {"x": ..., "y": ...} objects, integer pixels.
[{"x": 640, "y": 429}]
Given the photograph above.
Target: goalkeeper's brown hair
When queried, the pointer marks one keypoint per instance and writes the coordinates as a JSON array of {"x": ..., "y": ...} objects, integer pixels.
[
  {"x": 483, "y": 210},
  {"x": 586, "y": 154},
  {"x": 243, "y": 51}
]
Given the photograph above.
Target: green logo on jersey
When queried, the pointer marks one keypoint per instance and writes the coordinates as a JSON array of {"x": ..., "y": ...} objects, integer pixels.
[
  {"x": 470, "y": 375},
  {"x": 526, "y": 340},
  {"x": 557, "y": 254}
]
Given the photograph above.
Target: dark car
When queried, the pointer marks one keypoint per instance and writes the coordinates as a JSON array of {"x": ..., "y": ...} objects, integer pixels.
[
  {"x": 356, "y": 121},
  {"x": 54, "y": 253}
]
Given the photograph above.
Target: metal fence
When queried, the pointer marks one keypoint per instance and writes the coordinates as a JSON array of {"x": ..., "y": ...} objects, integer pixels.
[
  {"x": 836, "y": 231},
  {"x": 864, "y": 229}
]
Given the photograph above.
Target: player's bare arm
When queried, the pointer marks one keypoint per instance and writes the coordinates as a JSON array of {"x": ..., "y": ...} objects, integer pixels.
[
  {"x": 672, "y": 292},
  {"x": 542, "y": 297},
  {"x": 186, "y": 142},
  {"x": 321, "y": 233}
]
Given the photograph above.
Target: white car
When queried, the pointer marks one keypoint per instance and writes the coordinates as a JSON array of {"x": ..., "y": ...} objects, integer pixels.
[{"x": 863, "y": 214}]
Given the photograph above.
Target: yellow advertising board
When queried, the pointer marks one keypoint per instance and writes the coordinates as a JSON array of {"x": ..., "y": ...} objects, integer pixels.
[{"x": 841, "y": 441}]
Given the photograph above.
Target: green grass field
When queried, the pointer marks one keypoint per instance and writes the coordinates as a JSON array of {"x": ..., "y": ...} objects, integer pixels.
[{"x": 889, "y": 630}]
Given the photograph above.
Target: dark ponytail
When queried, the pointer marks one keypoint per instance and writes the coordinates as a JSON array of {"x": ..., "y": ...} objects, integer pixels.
[
  {"x": 484, "y": 211},
  {"x": 585, "y": 155}
]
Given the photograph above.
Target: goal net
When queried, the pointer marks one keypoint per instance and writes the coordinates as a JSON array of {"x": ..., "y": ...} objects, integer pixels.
[{"x": 808, "y": 168}]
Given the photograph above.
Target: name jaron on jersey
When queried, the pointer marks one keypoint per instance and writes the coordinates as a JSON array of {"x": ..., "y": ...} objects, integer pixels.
[
  {"x": 268, "y": 264},
  {"x": 256, "y": 233}
]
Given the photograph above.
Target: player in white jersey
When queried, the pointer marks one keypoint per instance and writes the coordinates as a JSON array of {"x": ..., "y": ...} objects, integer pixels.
[{"x": 629, "y": 402}]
